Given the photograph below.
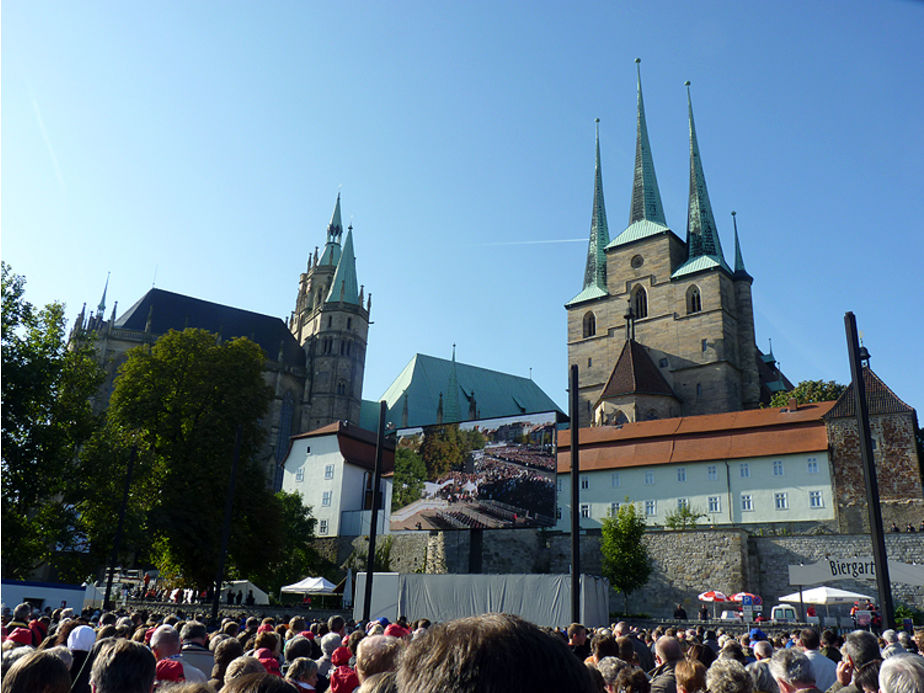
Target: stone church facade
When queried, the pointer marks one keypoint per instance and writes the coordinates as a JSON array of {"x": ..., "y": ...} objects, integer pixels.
[
  {"x": 314, "y": 360},
  {"x": 663, "y": 326}
]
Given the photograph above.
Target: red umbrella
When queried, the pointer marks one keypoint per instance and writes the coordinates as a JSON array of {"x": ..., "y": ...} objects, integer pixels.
[
  {"x": 739, "y": 597},
  {"x": 713, "y": 596}
]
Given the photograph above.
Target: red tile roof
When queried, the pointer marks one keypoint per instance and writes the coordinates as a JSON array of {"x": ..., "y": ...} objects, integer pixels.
[
  {"x": 735, "y": 435},
  {"x": 357, "y": 445},
  {"x": 635, "y": 374}
]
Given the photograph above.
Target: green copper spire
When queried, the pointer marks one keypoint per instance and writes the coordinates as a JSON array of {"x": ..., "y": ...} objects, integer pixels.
[
  {"x": 451, "y": 411},
  {"x": 646, "y": 213},
  {"x": 331, "y": 254},
  {"x": 101, "y": 308},
  {"x": 704, "y": 251},
  {"x": 595, "y": 269},
  {"x": 740, "y": 272},
  {"x": 646, "y": 198},
  {"x": 344, "y": 286}
]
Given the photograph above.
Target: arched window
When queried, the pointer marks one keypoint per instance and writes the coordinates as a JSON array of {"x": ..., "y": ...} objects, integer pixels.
[
  {"x": 694, "y": 300},
  {"x": 639, "y": 302},
  {"x": 590, "y": 324}
]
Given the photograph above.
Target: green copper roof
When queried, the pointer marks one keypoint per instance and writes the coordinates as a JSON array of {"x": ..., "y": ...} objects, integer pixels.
[
  {"x": 702, "y": 236},
  {"x": 595, "y": 269},
  {"x": 740, "y": 271},
  {"x": 344, "y": 286},
  {"x": 331, "y": 255},
  {"x": 700, "y": 264},
  {"x": 417, "y": 390},
  {"x": 646, "y": 213},
  {"x": 451, "y": 410},
  {"x": 101, "y": 308}
]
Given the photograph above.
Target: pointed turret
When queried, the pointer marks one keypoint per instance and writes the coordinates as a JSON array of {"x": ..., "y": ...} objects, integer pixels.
[
  {"x": 331, "y": 255},
  {"x": 451, "y": 411},
  {"x": 344, "y": 286},
  {"x": 740, "y": 271},
  {"x": 704, "y": 251},
  {"x": 101, "y": 308},
  {"x": 595, "y": 269},
  {"x": 646, "y": 213}
]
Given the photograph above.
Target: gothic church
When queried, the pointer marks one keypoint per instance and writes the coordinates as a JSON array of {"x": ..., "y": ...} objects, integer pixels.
[{"x": 664, "y": 327}]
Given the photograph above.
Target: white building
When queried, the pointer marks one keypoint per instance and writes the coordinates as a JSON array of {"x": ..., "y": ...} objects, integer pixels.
[
  {"x": 332, "y": 469},
  {"x": 741, "y": 468}
]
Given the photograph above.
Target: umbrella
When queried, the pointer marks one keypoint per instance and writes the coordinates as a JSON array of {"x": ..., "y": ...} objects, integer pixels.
[
  {"x": 713, "y": 596},
  {"x": 824, "y": 595},
  {"x": 739, "y": 597}
]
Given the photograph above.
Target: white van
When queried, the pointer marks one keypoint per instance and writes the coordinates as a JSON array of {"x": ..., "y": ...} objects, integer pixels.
[{"x": 783, "y": 613}]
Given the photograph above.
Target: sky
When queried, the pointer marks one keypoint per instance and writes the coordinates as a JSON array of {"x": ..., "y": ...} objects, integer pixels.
[{"x": 199, "y": 147}]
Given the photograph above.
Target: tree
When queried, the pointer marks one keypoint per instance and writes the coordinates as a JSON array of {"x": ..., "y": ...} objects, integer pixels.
[
  {"x": 809, "y": 391},
  {"x": 297, "y": 557},
  {"x": 179, "y": 403},
  {"x": 625, "y": 558},
  {"x": 683, "y": 517},
  {"x": 408, "y": 480},
  {"x": 441, "y": 450},
  {"x": 46, "y": 417}
]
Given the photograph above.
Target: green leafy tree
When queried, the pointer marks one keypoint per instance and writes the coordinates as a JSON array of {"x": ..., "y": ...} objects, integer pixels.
[
  {"x": 683, "y": 517},
  {"x": 179, "y": 403},
  {"x": 297, "y": 557},
  {"x": 626, "y": 562},
  {"x": 809, "y": 391},
  {"x": 46, "y": 417},
  {"x": 408, "y": 480},
  {"x": 441, "y": 450}
]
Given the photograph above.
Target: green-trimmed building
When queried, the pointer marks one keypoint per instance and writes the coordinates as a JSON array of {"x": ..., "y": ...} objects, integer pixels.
[{"x": 664, "y": 326}]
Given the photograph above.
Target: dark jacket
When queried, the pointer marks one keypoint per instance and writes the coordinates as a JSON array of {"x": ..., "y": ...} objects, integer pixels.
[{"x": 663, "y": 679}]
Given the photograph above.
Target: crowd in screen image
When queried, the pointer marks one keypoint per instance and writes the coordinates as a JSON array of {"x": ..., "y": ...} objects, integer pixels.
[{"x": 58, "y": 651}]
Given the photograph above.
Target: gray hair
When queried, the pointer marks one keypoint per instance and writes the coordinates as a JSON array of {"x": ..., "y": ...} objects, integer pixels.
[
  {"x": 165, "y": 636},
  {"x": 301, "y": 667},
  {"x": 728, "y": 676},
  {"x": 241, "y": 666},
  {"x": 890, "y": 636},
  {"x": 763, "y": 648},
  {"x": 761, "y": 676},
  {"x": 329, "y": 643},
  {"x": 609, "y": 668},
  {"x": 792, "y": 666},
  {"x": 64, "y": 654},
  {"x": 902, "y": 673},
  {"x": 862, "y": 647},
  {"x": 192, "y": 630}
]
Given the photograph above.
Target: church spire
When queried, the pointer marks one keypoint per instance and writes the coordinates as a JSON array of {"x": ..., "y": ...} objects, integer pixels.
[
  {"x": 101, "y": 308},
  {"x": 646, "y": 198},
  {"x": 452, "y": 412},
  {"x": 702, "y": 237},
  {"x": 740, "y": 271},
  {"x": 595, "y": 269},
  {"x": 344, "y": 286},
  {"x": 331, "y": 255}
]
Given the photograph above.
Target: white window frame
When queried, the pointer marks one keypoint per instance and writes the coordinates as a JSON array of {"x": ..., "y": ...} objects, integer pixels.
[
  {"x": 329, "y": 471},
  {"x": 747, "y": 503},
  {"x": 744, "y": 470},
  {"x": 615, "y": 481},
  {"x": 651, "y": 508},
  {"x": 681, "y": 474},
  {"x": 683, "y": 503},
  {"x": 712, "y": 473},
  {"x": 323, "y": 527},
  {"x": 816, "y": 499},
  {"x": 715, "y": 504},
  {"x": 300, "y": 474},
  {"x": 614, "y": 508},
  {"x": 781, "y": 500},
  {"x": 326, "y": 498},
  {"x": 777, "y": 467},
  {"x": 812, "y": 465},
  {"x": 585, "y": 511},
  {"x": 649, "y": 478}
]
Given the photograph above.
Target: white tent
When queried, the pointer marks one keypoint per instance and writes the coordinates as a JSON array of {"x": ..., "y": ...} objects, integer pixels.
[
  {"x": 261, "y": 598},
  {"x": 824, "y": 595},
  {"x": 311, "y": 585}
]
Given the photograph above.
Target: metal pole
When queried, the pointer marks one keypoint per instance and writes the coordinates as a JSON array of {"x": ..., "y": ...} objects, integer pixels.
[
  {"x": 226, "y": 530},
  {"x": 575, "y": 500},
  {"x": 376, "y": 482},
  {"x": 117, "y": 541},
  {"x": 869, "y": 472}
]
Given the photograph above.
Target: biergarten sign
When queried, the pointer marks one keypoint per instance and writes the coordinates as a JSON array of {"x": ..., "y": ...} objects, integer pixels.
[{"x": 831, "y": 569}]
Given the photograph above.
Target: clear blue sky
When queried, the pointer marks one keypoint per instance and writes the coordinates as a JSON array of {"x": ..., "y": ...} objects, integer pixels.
[{"x": 205, "y": 143}]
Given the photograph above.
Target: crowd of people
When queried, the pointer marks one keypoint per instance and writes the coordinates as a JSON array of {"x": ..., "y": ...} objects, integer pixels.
[{"x": 117, "y": 652}]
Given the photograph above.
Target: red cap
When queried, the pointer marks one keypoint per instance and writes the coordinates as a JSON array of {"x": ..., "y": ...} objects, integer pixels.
[
  {"x": 307, "y": 634},
  {"x": 169, "y": 670},
  {"x": 21, "y": 635},
  {"x": 395, "y": 630},
  {"x": 266, "y": 628},
  {"x": 341, "y": 656}
]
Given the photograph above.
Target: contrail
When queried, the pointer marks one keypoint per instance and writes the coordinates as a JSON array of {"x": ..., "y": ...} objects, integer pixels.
[
  {"x": 560, "y": 240},
  {"x": 51, "y": 151}
]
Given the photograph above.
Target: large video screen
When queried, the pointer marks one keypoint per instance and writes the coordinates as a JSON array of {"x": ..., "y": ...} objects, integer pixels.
[{"x": 482, "y": 474}]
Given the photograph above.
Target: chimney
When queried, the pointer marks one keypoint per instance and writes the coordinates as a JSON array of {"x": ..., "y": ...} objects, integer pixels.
[{"x": 793, "y": 404}]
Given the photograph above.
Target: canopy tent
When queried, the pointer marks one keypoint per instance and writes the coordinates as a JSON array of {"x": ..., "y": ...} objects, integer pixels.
[
  {"x": 311, "y": 585},
  {"x": 260, "y": 597},
  {"x": 824, "y": 595}
]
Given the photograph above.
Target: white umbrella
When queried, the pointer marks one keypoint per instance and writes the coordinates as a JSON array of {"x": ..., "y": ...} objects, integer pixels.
[
  {"x": 825, "y": 595},
  {"x": 311, "y": 585}
]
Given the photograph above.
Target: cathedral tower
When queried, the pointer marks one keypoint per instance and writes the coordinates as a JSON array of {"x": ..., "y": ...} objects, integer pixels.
[
  {"x": 331, "y": 324},
  {"x": 662, "y": 327}
]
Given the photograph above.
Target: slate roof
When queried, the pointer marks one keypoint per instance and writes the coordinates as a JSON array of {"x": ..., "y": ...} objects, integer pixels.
[
  {"x": 496, "y": 394},
  {"x": 172, "y": 311},
  {"x": 733, "y": 435},
  {"x": 879, "y": 399},
  {"x": 635, "y": 374}
]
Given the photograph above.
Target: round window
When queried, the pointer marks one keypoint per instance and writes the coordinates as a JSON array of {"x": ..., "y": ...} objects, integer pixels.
[{"x": 637, "y": 261}]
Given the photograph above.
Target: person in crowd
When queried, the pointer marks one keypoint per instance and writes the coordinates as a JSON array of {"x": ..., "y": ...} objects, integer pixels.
[
  {"x": 303, "y": 673},
  {"x": 703, "y": 613},
  {"x": 513, "y": 654},
  {"x": 258, "y": 683},
  {"x": 728, "y": 676},
  {"x": 860, "y": 647},
  {"x": 667, "y": 654},
  {"x": 642, "y": 652},
  {"x": 632, "y": 680},
  {"x": 380, "y": 683},
  {"x": 793, "y": 671},
  {"x": 690, "y": 676},
  {"x": 902, "y": 673},
  {"x": 39, "y": 671},
  {"x": 226, "y": 651},
  {"x": 680, "y": 613},
  {"x": 343, "y": 679},
  {"x": 825, "y": 670},
  {"x": 609, "y": 668},
  {"x": 867, "y": 678},
  {"x": 577, "y": 641},
  {"x": 602, "y": 646},
  {"x": 892, "y": 647},
  {"x": 829, "y": 648},
  {"x": 376, "y": 654},
  {"x": 165, "y": 644},
  {"x": 760, "y": 668},
  {"x": 122, "y": 666},
  {"x": 194, "y": 647},
  {"x": 242, "y": 666},
  {"x": 336, "y": 624}
]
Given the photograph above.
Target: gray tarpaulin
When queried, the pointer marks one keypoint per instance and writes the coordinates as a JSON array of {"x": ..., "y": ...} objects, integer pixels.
[{"x": 542, "y": 599}]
